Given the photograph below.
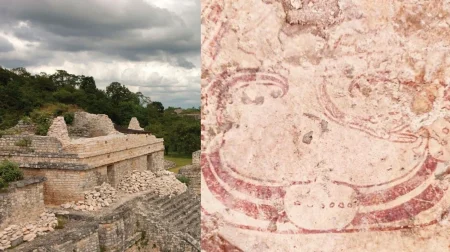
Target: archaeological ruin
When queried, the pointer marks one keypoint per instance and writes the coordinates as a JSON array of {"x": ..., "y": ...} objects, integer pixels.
[
  {"x": 192, "y": 172},
  {"x": 93, "y": 186}
]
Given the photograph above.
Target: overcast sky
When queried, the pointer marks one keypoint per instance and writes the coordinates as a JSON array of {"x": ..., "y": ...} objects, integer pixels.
[{"x": 151, "y": 46}]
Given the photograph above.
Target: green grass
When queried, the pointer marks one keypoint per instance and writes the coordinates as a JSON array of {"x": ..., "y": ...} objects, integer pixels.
[
  {"x": 179, "y": 159},
  {"x": 61, "y": 223}
]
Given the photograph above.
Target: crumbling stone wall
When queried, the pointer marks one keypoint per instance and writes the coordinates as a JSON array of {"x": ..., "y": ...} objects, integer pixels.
[
  {"x": 23, "y": 201},
  {"x": 88, "y": 243},
  {"x": 10, "y": 144},
  {"x": 73, "y": 166},
  {"x": 196, "y": 157},
  {"x": 91, "y": 125},
  {"x": 156, "y": 161},
  {"x": 111, "y": 235},
  {"x": 120, "y": 231},
  {"x": 135, "y": 226},
  {"x": 67, "y": 185},
  {"x": 24, "y": 128},
  {"x": 84, "y": 163},
  {"x": 134, "y": 124},
  {"x": 82, "y": 237},
  {"x": 58, "y": 130},
  {"x": 193, "y": 173},
  {"x": 70, "y": 182},
  {"x": 116, "y": 171}
]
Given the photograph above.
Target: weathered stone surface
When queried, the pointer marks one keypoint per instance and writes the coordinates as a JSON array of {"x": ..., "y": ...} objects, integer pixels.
[
  {"x": 144, "y": 223},
  {"x": 58, "y": 130},
  {"x": 163, "y": 183},
  {"x": 169, "y": 164},
  {"x": 134, "y": 124},
  {"x": 86, "y": 161},
  {"x": 102, "y": 196},
  {"x": 23, "y": 128},
  {"x": 325, "y": 125},
  {"x": 73, "y": 169},
  {"x": 14, "y": 235},
  {"x": 196, "y": 157},
  {"x": 91, "y": 125},
  {"x": 23, "y": 201},
  {"x": 192, "y": 172}
]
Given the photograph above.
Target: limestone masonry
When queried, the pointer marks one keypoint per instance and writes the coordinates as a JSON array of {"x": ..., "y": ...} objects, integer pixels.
[
  {"x": 94, "y": 154},
  {"x": 134, "y": 124},
  {"x": 85, "y": 167},
  {"x": 193, "y": 172}
]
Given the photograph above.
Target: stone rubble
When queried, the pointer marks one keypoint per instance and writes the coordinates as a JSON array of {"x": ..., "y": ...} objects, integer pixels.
[
  {"x": 162, "y": 183},
  {"x": 169, "y": 164},
  {"x": 14, "y": 235},
  {"x": 101, "y": 196}
]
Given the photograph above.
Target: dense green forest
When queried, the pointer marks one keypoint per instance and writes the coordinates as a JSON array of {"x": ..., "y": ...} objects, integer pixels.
[{"x": 24, "y": 95}]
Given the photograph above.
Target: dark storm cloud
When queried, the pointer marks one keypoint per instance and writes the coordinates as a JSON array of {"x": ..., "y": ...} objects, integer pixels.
[
  {"x": 132, "y": 30},
  {"x": 5, "y": 45},
  {"x": 88, "y": 18},
  {"x": 141, "y": 45}
]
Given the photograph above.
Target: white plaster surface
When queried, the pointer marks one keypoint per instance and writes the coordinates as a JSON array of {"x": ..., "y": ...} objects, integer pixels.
[{"x": 325, "y": 125}]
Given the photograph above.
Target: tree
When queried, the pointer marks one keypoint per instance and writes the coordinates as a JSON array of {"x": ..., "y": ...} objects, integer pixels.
[
  {"x": 120, "y": 93},
  {"x": 144, "y": 100},
  {"x": 159, "y": 107},
  {"x": 23, "y": 94},
  {"x": 21, "y": 71},
  {"x": 63, "y": 78},
  {"x": 88, "y": 84}
]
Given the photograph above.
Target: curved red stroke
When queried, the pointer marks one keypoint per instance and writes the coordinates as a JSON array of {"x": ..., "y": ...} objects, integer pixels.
[
  {"x": 257, "y": 211},
  {"x": 389, "y": 194},
  {"x": 424, "y": 201}
]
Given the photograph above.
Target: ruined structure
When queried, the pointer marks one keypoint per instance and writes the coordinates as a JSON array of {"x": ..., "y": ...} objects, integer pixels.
[
  {"x": 26, "y": 194},
  {"x": 144, "y": 223},
  {"x": 67, "y": 167},
  {"x": 193, "y": 172},
  {"x": 134, "y": 124},
  {"x": 77, "y": 158}
]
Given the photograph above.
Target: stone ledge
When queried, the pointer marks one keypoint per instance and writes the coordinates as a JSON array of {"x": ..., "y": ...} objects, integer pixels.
[
  {"x": 133, "y": 240},
  {"x": 60, "y": 237},
  {"x": 189, "y": 169},
  {"x": 56, "y": 166},
  {"x": 26, "y": 182},
  {"x": 37, "y": 154}
]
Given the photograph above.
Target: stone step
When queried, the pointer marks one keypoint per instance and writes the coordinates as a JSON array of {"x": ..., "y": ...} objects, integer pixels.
[
  {"x": 175, "y": 209},
  {"x": 181, "y": 212},
  {"x": 196, "y": 234},
  {"x": 190, "y": 221},
  {"x": 159, "y": 200},
  {"x": 194, "y": 209},
  {"x": 195, "y": 221},
  {"x": 193, "y": 227},
  {"x": 175, "y": 201},
  {"x": 152, "y": 198}
]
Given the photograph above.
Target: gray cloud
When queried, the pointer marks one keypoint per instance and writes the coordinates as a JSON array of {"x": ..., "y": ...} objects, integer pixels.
[
  {"x": 54, "y": 34},
  {"x": 132, "y": 31},
  {"x": 5, "y": 45}
]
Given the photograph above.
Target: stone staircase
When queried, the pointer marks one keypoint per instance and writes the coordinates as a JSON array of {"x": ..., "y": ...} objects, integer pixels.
[{"x": 180, "y": 213}]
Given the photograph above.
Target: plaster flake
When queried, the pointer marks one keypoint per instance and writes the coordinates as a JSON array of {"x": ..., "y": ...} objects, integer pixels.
[{"x": 325, "y": 125}]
